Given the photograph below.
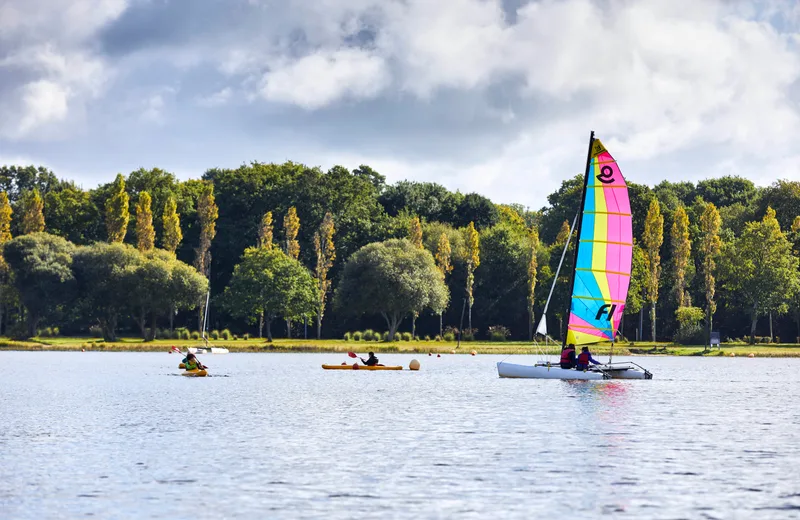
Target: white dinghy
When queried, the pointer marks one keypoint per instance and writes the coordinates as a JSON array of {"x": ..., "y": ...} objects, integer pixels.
[
  {"x": 206, "y": 349},
  {"x": 600, "y": 274}
]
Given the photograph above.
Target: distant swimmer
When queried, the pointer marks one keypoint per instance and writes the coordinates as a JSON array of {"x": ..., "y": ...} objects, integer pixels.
[{"x": 371, "y": 360}]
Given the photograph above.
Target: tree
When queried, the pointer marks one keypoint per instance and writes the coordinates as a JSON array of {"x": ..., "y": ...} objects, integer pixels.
[
  {"x": 637, "y": 289},
  {"x": 265, "y": 231},
  {"x": 291, "y": 226},
  {"x": 5, "y": 236},
  {"x": 391, "y": 278},
  {"x": 207, "y": 214},
  {"x": 33, "y": 212},
  {"x": 41, "y": 269},
  {"x": 473, "y": 261},
  {"x": 105, "y": 279},
  {"x": 710, "y": 244},
  {"x": 326, "y": 254},
  {"x": 117, "y": 213},
  {"x": 761, "y": 270},
  {"x": 415, "y": 237},
  {"x": 532, "y": 267},
  {"x": 269, "y": 281},
  {"x": 563, "y": 235},
  {"x": 173, "y": 235},
  {"x": 415, "y": 232},
  {"x": 445, "y": 265},
  {"x": 681, "y": 253},
  {"x": 145, "y": 233},
  {"x": 653, "y": 238}
]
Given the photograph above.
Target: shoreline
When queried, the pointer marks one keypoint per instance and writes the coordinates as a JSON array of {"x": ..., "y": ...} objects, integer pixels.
[{"x": 283, "y": 345}]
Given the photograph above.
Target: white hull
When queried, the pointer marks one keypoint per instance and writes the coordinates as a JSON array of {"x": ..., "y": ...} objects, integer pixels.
[
  {"x": 543, "y": 372},
  {"x": 219, "y": 350}
]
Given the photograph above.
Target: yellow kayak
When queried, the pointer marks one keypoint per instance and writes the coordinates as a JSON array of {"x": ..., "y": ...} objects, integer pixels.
[
  {"x": 194, "y": 373},
  {"x": 181, "y": 365},
  {"x": 360, "y": 367}
]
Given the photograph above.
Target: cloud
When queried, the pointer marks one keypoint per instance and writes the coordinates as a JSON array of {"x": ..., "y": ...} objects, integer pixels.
[
  {"x": 320, "y": 79},
  {"x": 481, "y": 95}
]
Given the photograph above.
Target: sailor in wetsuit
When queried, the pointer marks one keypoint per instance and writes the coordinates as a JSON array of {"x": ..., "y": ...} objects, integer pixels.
[{"x": 371, "y": 360}]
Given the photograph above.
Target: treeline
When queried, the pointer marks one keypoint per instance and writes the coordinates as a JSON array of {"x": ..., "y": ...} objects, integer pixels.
[{"x": 274, "y": 241}]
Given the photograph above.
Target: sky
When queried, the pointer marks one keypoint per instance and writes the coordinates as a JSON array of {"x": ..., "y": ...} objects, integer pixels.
[{"x": 489, "y": 96}]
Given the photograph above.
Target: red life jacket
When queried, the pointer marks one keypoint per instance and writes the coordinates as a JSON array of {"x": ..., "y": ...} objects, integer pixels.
[
  {"x": 583, "y": 358},
  {"x": 565, "y": 355}
]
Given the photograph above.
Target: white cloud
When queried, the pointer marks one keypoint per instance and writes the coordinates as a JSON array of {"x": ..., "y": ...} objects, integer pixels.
[
  {"x": 322, "y": 78},
  {"x": 44, "y": 102},
  {"x": 216, "y": 99}
]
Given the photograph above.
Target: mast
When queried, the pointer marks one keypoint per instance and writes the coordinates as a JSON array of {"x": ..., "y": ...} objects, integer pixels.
[{"x": 578, "y": 237}]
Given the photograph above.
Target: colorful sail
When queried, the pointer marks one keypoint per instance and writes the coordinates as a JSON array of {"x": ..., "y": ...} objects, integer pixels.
[{"x": 605, "y": 247}]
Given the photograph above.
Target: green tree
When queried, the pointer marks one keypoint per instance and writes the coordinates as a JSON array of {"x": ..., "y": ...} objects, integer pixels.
[
  {"x": 71, "y": 213},
  {"x": 33, "y": 212},
  {"x": 5, "y": 236},
  {"x": 710, "y": 245},
  {"x": 653, "y": 238},
  {"x": 681, "y": 254},
  {"x": 117, "y": 212},
  {"x": 473, "y": 261},
  {"x": 105, "y": 280},
  {"x": 172, "y": 235},
  {"x": 145, "y": 233},
  {"x": 41, "y": 269},
  {"x": 761, "y": 270},
  {"x": 326, "y": 254},
  {"x": 391, "y": 278},
  {"x": 269, "y": 281}
]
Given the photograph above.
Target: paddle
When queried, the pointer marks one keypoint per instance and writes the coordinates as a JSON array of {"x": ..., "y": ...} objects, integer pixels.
[{"x": 352, "y": 355}]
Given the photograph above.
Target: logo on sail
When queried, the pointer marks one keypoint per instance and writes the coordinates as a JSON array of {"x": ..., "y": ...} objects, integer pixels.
[
  {"x": 607, "y": 308},
  {"x": 606, "y": 175}
]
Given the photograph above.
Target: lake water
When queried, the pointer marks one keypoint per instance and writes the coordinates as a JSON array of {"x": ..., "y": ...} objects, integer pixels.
[{"x": 111, "y": 435}]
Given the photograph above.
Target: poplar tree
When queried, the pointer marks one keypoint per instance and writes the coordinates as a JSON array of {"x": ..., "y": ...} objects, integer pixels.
[
  {"x": 326, "y": 254},
  {"x": 145, "y": 233},
  {"x": 33, "y": 212},
  {"x": 415, "y": 232},
  {"x": 681, "y": 253},
  {"x": 653, "y": 237},
  {"x": 415, "y": 237},
  {"x": 473, "y": 261},
  {"x": 117, "y": 214},
  {"x": 291, "y": 227},
  {"x": 5, "y": 236},
  {"x": 172, "y": 226},
  {"x": 207, "y": 214},
  {"x": 445, "y": 265},
  {"x": 265, "y": 231},
  {"x": 710, "y": 245},
  {"x": 563, "y": 234},
  {"x": 532, "y": 269}
]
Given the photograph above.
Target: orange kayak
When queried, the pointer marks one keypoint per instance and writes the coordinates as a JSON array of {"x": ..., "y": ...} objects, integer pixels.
[{"x": 356, "y": 366}]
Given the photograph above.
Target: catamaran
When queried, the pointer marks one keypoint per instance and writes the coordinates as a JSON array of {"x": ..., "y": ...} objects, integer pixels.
[
  {"x": 206, "y": 349},
  {"x": 600, "y": 274}
]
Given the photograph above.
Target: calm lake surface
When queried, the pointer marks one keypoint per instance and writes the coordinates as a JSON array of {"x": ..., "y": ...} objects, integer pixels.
[{"x": 113, "y": 435}]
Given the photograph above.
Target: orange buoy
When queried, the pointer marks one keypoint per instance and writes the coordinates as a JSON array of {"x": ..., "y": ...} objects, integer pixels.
[
  {"x": 751, "y": 355},
  {"x": 473, "y": 353},
  {"x": 452, "y": 351},
  {"x": 414, "y": 365},
  {"x": 733, "y": 354}
]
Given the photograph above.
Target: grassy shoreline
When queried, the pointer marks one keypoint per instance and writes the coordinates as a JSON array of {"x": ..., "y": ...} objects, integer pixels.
[{"x": 66, "y": 344}]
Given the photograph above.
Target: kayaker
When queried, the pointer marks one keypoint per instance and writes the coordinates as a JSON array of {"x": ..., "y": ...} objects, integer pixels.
[
  {"x": 192, "y": 363},
  {"x": 371, "y": 360},
  {"x": 568, "y": 357},
  {"x": 584, "y": 358}
]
